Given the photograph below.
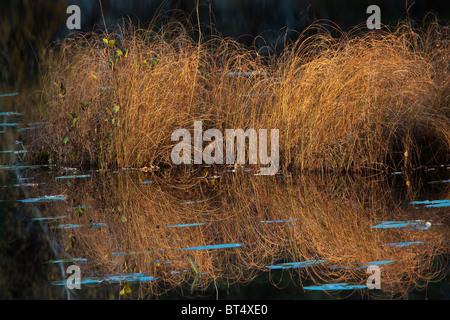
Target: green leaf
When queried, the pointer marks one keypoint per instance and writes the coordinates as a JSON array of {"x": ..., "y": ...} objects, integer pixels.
[
  {"x": 119, "y": 209},
  {"x": 193, "y": 265},
  {"x": 116, "y": 109},
  {"x": 72, "y": 115},
  {"x": 79, "y": 211},
  {"x": 61, "y": 86},
  {"x": 194, "y": 283},
  {"x": 113, "y": 121},
  {"x": 85, "y": 105},
  {"x": 154, "y": 62},
  {"x": 123, "y": 53},
  {"x": 110, "y": 43},
  {"x": 75, "y": 155},
  {"x": 57, "y": 85},
  {"x": 65, "y": 140},
  {"x": 126, "y": 289},
  {"x": 107, "y": 254},
  {"x": 123, "y": 218},
  {"x": 111, "y": 65}
]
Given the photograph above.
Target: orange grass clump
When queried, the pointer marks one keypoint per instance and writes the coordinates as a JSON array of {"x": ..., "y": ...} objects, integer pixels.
[{"x": 355, "y": 102}]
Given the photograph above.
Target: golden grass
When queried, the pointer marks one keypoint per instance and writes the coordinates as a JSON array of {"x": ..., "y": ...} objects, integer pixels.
[{"x": 355, "y": 102}]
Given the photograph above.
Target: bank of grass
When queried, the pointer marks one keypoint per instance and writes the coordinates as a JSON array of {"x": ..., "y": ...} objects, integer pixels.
[{"x": 362, "y": 100}]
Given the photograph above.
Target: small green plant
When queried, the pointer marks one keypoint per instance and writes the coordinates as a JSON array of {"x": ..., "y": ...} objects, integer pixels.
[
  {"x": 72, "y": 242},
  {"x": 110, "y": 43},
  {"x": 79, "y": 211},
  {"x": 62, "y": 88},
  {"x": 194, "y": 283},
  {"x": 74, "y": 119},
  {"x": 122, "y": 53},
  {"x": 85, "y": 106},
  {"x": 126, "y": 290}
]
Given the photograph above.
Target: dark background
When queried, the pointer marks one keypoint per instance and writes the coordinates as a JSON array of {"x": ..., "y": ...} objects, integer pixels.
[
  {"x": 28, "y": 27},
  {"x": 237, "y": 17}
]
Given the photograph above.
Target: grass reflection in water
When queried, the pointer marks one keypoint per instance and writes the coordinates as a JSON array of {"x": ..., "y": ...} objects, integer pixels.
[{"x": 328, "y": 230}]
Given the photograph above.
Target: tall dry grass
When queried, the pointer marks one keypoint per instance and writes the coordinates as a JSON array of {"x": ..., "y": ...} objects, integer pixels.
[
  {"x": 354, "y": 102},
  {"x": 364, "y": 101}
]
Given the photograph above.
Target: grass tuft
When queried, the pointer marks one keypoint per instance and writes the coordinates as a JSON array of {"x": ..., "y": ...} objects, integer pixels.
[{"x": 362, "y": 100}]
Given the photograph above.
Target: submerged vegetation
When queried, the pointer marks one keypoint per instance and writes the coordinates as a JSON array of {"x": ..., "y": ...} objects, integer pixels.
[{"x": 348, "y": 103}]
